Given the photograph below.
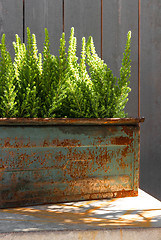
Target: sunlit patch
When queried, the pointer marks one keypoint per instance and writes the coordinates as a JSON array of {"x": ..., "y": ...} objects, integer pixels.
[
  {"x": 132, "y": 217},
  {"x": 151, "y": 213},
  {"x": 68, "y": 220},
  {"x": 90, "y": 220},
  {"x": 133, "y": 212},
  {"x": 27, "y": 229}
]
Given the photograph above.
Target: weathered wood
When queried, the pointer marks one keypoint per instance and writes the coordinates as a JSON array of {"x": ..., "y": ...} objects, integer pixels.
[
  {"x": 151, "y": 96},
  {"x": 120, "y": 16},
  {"x": 41, "y": 14},
  {"x": 84, "y": 16},
  {"x": 11, "y": 21}
]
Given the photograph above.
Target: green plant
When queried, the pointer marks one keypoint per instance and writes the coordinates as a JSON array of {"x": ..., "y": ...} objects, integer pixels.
[
  {"x": 28, "y": 71},
  {"x": 44, "y": 85},
  {"x": 53, "y": 80},
  {"x": 8, "y": 92}
]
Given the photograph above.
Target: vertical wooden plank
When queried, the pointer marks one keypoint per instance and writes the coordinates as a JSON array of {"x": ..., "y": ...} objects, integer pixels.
[
  {"x": 42, "y": 14},
  {"x": 151, "y": 96},
  {"x": 120, "y": 16},
  {"x": 85, "y": 17},
  {"x": 11, "y": 20}
]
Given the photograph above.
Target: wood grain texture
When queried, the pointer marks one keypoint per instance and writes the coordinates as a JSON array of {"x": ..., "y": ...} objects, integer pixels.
[
  {"x": 85, "y": 17},
  {"x": 40, "y": 14},
  {"x": 151, "y": 97},
  {"x": 11, "y": 21},
  {"x": 120, "y": 16}
]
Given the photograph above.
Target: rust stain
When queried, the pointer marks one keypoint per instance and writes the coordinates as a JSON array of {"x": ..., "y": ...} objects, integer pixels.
[
  {"x": 125, "y": 193},
  {"x": 46, "y": 143},
  {"x": 104, "y": 159},
  {"x": 2, "y": 169},
  {"x": 121, "y": 141},
  {"x": 7, "y": 143},
  {"x": 121, "y": 234},
  {"x": 69, "y": 121},
  {"x": 66, "y": 142},
  {"x": 69, "y": 168},
  {"x": 125, "y": 151},
  {"x": 129, "y": 130},
  {"x": 75, "y": 167},
  {"x": 122, "y": 164},
  {"x": 17, "y": 143},
  {"x": 20, "y": 143}
]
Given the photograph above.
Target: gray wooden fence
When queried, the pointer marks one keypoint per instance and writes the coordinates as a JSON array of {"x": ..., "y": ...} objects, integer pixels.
[
  {"x": 151, "y": 96},
  {"x": 108, "y": 21}
]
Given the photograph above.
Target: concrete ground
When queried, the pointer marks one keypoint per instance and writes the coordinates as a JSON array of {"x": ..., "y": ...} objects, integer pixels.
[{"x": 119, "y": 219}]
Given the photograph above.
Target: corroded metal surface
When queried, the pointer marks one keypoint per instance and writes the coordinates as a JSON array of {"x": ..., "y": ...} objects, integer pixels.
[
  {"x": 45, "y": 164},
  {"x": 70, "y": 121}
]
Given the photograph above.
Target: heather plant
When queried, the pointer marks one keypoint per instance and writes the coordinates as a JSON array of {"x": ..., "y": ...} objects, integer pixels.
[
  {"x": 78, "y": 81},
  {"x": 96, "y": 92},
  {"x": 45, "y": 85},
  {"x": 8, "y": 92},
  {"x": 53, "y": 80},
  {"x": 109, "y": 93},
  {"x": 28, "y": 71}
]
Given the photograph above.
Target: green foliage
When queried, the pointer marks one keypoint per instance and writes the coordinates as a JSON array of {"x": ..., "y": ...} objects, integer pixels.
[
  {"x": 44, "y": 85},
  {"x": 8, "y": 104},
  {"x": 28, "y": 71},
  {"x": 103, "y": 84},
  {"x": 125, "y": 73},
  {"x": 78, "y": 81},
  {"x": 53, "y": 80}
]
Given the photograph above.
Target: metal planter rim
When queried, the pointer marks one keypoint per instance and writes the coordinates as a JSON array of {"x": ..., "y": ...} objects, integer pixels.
[{"x": 71, "y": 121}]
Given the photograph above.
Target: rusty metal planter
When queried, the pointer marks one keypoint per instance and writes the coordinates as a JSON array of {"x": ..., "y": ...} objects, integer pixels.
[{"x": 57, "y": 160}]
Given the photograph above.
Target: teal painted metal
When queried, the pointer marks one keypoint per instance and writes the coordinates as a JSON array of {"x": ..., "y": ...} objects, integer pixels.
[{"x": 58, "y": 160}]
